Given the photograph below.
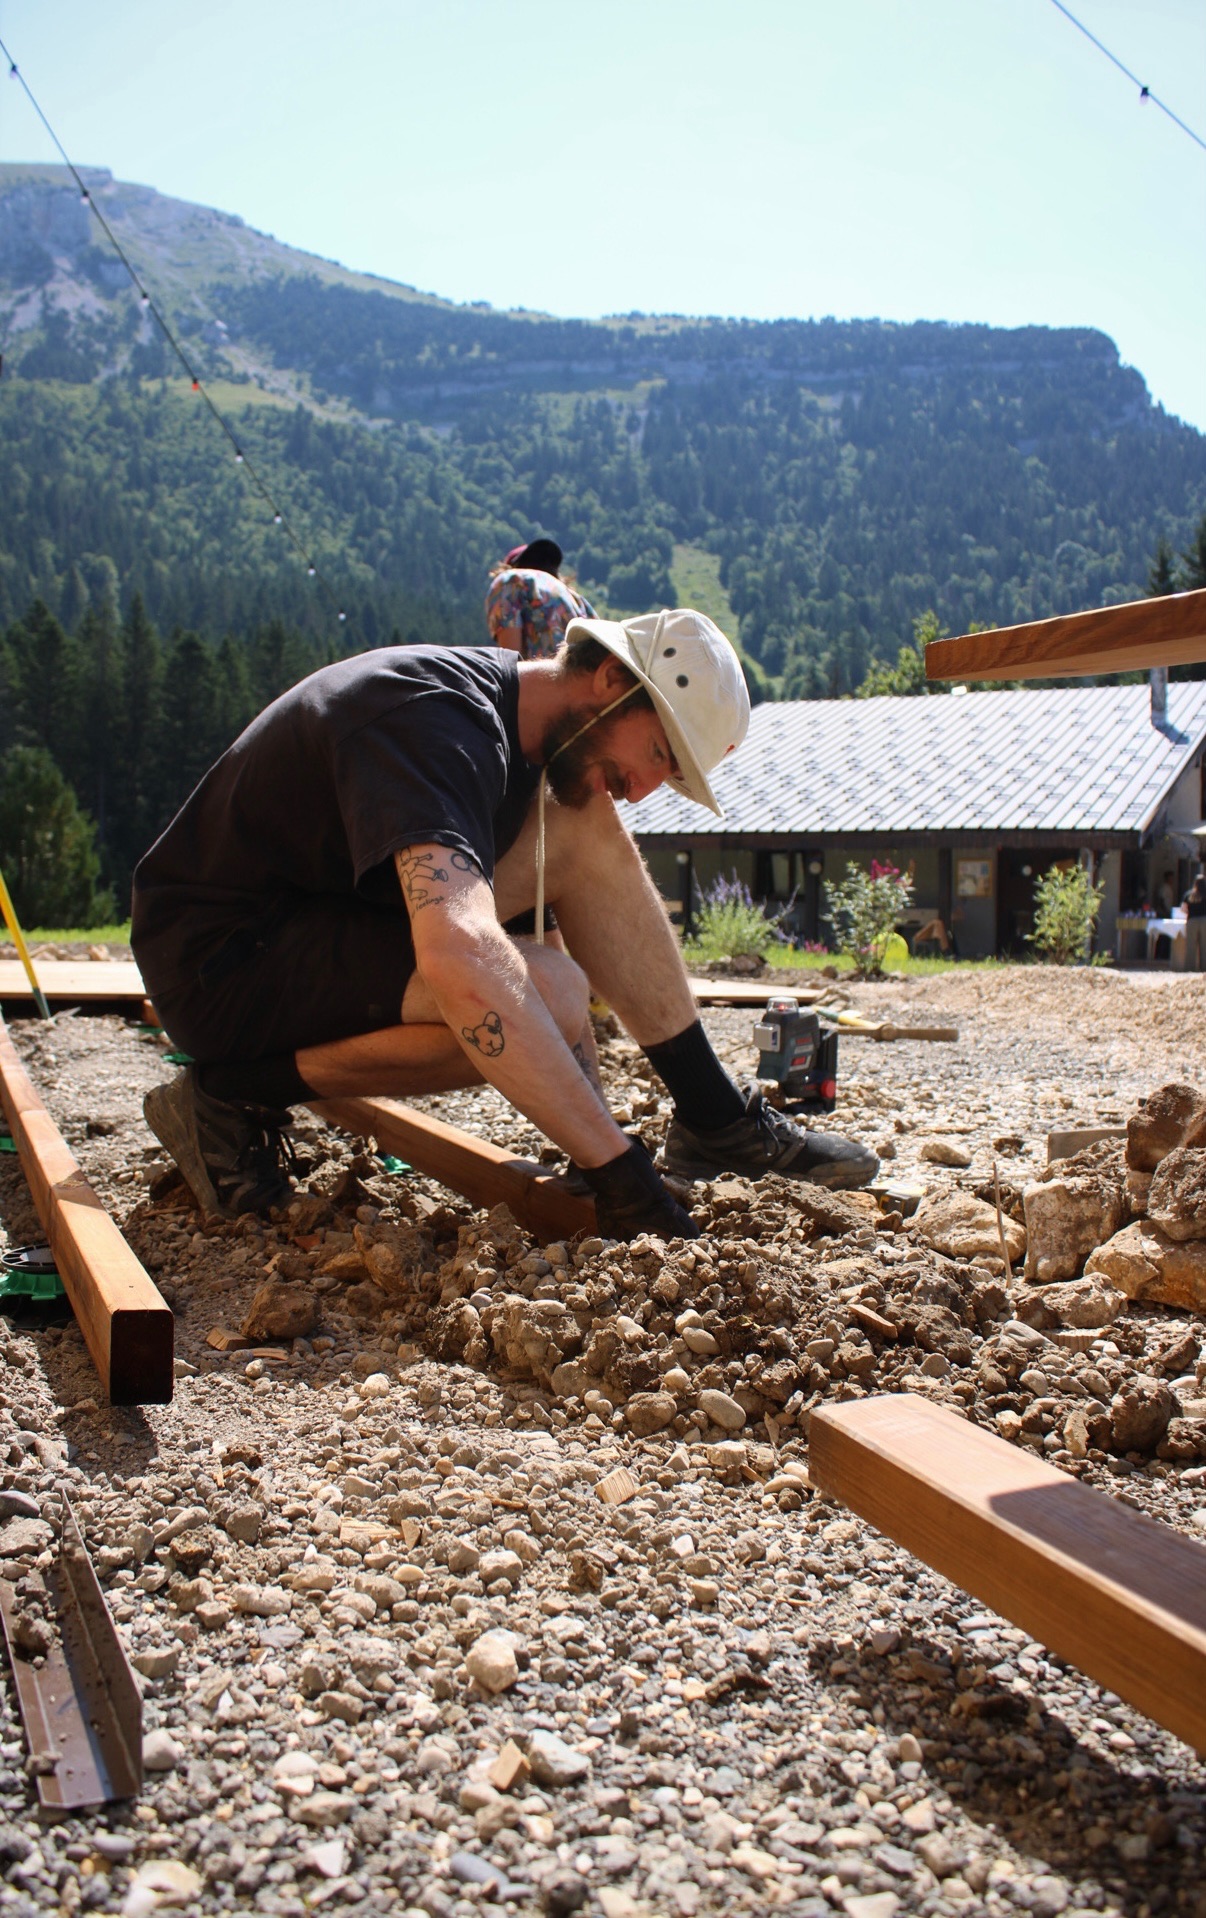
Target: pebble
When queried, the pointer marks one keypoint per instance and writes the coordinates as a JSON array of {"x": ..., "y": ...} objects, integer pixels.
[
  {"x": 491, "y": 1662},
  {"x": 553, "y": 1762},
  {"x": 18, "y": 1505},
  {"x": 160, "y": 1752},
  {"x": 722, "y": 1410}
]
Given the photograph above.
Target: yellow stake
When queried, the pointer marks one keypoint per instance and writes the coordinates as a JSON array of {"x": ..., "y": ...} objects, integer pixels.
[{"x": 14, "y": 926}]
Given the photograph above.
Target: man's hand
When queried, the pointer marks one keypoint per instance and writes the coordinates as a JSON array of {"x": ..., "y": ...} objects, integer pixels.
[{"x": 630, "y": 1199}]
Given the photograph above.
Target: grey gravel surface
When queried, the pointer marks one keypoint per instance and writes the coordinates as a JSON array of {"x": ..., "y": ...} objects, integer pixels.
[{"x": 355, "y": 1569}]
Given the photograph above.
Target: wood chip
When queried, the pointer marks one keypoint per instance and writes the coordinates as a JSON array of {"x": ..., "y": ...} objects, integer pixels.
[
  {"x": 617, "y": 1486},
  {"x": 873, "y": 1321},
  {"x": 509, "y": 1769},
  {"x": 224, "y": 1340}
]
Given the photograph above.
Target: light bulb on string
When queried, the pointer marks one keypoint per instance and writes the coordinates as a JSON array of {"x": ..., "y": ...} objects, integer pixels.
[
  {"x": 277, "y": 520},
  {"x": 312, "y": 570},
  {"x": 238, "y": 457},
  {"x": 342, "y": 616},
  {"x": 196, "y": 386}
]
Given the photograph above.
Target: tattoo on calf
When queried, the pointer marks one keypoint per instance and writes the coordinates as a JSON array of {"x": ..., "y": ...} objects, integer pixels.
[
  {"x": 588, "y": 1071},
  {"x": 486, "y": 1037}
]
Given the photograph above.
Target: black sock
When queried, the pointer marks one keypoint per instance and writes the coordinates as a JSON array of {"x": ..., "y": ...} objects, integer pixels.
[
  {"x": 274, "y": 1081},
  {"x": 705, "y": 1097}
]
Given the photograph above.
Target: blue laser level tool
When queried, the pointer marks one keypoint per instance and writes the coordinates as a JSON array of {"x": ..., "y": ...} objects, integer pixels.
[{"x": 799, "y": 1054}]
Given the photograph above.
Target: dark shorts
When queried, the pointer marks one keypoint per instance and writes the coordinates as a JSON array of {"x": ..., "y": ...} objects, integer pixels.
[{"x": 330, "y": 969}]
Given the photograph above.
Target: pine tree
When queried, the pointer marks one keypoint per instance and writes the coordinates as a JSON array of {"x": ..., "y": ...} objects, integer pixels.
[
  {"x": 1161, "y": 574},
  {"x": 47, "y": 850},
  {"x": 135, "y": 821},
  {"x": 1194, "y": 576}
]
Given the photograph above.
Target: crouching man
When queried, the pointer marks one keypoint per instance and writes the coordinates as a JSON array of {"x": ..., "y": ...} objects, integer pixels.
[{"x": 329, "y": 913}]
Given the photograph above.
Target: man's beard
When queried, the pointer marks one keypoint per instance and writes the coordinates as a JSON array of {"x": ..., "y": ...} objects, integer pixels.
[{"x": 568, "y": 766}]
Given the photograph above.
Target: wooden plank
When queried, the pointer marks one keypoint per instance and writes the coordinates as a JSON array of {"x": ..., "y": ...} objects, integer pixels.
[
  {"x": 73, "y": 981},
  {"x": 752, "y": 992},
  {"x": 1168, "y": 631},
  {"x": 1062, "y": 1145},
  {"x": 1111, "y": 1590},
  {"x": 480, "y": 1171},
  {"x": 127, "y": 1326}
]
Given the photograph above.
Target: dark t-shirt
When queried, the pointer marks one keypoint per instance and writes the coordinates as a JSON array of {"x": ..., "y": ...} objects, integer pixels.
[{"x": 403, "y": 746}]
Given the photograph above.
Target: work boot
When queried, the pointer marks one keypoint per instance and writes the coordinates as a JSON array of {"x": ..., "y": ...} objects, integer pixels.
[
  {"x": 766, "y": 1140},
  {"x": 231, "y": 1156},
  {"x": 630, "y": 1199}
]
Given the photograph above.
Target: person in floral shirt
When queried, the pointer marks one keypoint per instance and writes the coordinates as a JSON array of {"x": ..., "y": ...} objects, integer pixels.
[{"x": 528, "y": 606}]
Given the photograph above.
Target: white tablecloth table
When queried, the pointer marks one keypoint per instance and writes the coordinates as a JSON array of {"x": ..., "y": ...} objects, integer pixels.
[{"x": 1174, "y": 932}]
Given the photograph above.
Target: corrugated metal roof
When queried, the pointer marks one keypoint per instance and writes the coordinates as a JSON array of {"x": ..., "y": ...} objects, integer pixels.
[{"x": 1075, "y": 760}]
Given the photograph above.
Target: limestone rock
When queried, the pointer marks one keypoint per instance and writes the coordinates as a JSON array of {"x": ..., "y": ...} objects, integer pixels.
[
  {"x": 491, "y": 1662},
  {"x": 1138, "y": 1185},
  {"x": 722, "y": 1410},
  {"x": 571, "y": 1380},
  {"x": 281, "y": 1312},
  {"x": 1067, "y": 1218},
  {"x": 160, "y": 1752},
  {"x": 1084, "y": 1303},
  {"x": 1176, "y": 1200},
  {"x": 243, "y": 1523},
  {"x": 553, "y": 1762},
  {"x": 533, "y": 1335},
  {"x": 649, "y": 1412},
  {"x": 395, "y": 1256},
  {"x": 833, "y": 1214},
  {"x": 944, "y": 1151},
  {"x": 965, "y": 1227},
  {"x": 1173, "y": 1116},
  {"x": 1146, "y": 1264},
  {"x": 1140, "y": 1415}
]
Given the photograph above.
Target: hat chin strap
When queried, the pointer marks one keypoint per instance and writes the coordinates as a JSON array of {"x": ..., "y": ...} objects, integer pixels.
[{"x": 544, "y": 780}]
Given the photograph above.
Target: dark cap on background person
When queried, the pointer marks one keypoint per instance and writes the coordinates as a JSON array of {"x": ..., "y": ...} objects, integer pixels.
[{"x": 538, "y": 556}]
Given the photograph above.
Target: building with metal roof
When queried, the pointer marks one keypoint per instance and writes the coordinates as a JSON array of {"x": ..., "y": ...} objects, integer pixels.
[{"x": 976, "y": 792}]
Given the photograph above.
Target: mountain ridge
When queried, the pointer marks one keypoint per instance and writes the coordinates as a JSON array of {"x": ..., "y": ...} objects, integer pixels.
[{"x": 838, "y": 478}]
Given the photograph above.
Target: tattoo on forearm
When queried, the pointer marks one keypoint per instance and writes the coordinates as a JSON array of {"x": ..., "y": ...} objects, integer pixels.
[
  {"x": 487, "y": 1037},
  {"x": 422, "y": 877},
  {"x": 419, "y": 874}
]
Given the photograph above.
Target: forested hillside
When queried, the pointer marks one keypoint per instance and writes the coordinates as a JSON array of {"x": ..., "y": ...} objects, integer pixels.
[{"x": 830, "y": 481}]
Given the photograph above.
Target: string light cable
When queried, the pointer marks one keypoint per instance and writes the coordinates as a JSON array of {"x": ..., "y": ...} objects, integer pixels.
[
  {"x": 198, "y": 385},
  {"x": 1145, "y": 92}
]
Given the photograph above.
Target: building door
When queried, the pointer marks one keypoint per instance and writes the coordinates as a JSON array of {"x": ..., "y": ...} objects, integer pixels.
[{"x": 1019, "y": 869}]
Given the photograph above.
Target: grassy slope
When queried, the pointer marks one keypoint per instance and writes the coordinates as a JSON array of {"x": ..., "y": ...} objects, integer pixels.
[{"x": 696, "y": 576}]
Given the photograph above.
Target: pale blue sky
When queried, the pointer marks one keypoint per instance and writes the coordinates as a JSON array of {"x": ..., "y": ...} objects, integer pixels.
[{"x": 945, "y": 159}]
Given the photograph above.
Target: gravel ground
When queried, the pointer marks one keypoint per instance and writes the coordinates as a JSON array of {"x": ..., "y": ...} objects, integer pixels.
[{"x": 370, "y": 1572}]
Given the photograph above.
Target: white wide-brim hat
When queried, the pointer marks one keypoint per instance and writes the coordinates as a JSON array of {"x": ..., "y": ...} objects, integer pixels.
[{"x": 695, "y": 680}]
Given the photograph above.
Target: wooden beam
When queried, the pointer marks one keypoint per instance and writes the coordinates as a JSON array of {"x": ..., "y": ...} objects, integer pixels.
[
  {"x": 73, "y": 981},
  {"x": 1168, "y": 631},
  {"x": 481, "y": 1172},
  {"x": 752, "y": 992},
  {"x": 77, "y": 981},
  {"x": 1111, "y": 1590},
  {"x": 127, "y": 1326}
]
